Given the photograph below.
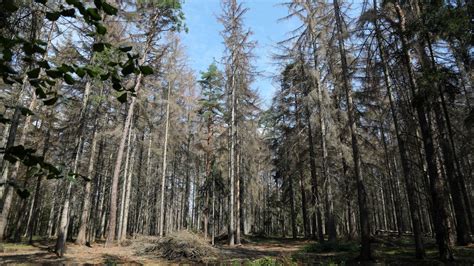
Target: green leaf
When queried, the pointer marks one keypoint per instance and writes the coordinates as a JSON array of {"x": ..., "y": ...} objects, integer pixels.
[
  {"x": 4, "y": 120},
  {"x": 80, "y": 72},
  {"x": 125, "y": 49},
  {"x": 31, "y": 160},
  {"x": 25, "y": 111},
  {"x": 28, "y": 48},
  {"x": 65, "y": 68},
  {"x": 7, "y": 69},
  {"x": 40, "y": 92},
  {"x": 15, "y": 153},
  {"x": 98, "y": 47},
  {"x": 93, "y": 13},
  {"x": 50, "y": 82},
  {"x": 69, "y": 12},
  {"x": 52, "y": 16},
  {"x": 44, "y": 64},
  {"x": 128, "y": 68},
  {"x": 92, "y": 73},
  {"x": 54, "y": 73},
  {"x": 101, "y": 29},
  {"x": 69, "y": 79},
  {"x": 117, "y": 86},
  {"x": 50, "y": 168},
  {"x": 38, "y": 49},
  {"x": 23, "y": 193},
  {"x": 146, "y": 70},
  {"x": 98, "y": 4},
  {"x": 7, "y": 54},
  {"x": 34, "y": 73},
  {"x": 33, "y": 171},
  {"x": 122, "y": 98},
  {"x": 9, "y": 5},
  {"x": 109, "y": 9},
  {"x": 50, "y": 101},
  {"x": 105, "y": 76}
]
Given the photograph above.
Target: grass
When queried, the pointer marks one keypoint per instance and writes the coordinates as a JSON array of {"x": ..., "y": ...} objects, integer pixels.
[
  {"x": 331, "y": 247},
  {"x": 398, "y": 252},
  {"x": 12, "y": 247}
]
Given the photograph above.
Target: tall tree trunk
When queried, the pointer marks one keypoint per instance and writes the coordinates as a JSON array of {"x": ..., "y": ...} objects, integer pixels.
[
  {"x": 237, "y": 195},
  {"x": 163, "y": 177},
  {"x": 440, "y": 212},
  {"x": 316, "y": 221},
  {"x": 7, "y": 200},
  {"x": 36, "y": 201},
  {"x": 81, "y": 236},
  {"x": 365, "y": 252},
  {"x": 232, "y": 162},
  {"x": 60, "y": 247},
  {"x": 124, "y": 184},
  {"x": 410, "y": 186},
  {"x": 453, "y": 169},
  {"x": 123, "y": 234}
]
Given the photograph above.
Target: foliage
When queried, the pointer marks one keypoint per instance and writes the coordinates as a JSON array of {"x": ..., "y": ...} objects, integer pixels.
[{"x": 43, "y": 75}]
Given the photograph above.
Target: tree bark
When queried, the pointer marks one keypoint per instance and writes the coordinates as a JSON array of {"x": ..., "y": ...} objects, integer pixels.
[{"x": 365, "y": 252}]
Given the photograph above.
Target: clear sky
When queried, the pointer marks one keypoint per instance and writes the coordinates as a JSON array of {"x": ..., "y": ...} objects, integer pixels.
[{"x": 203, "y": 42}]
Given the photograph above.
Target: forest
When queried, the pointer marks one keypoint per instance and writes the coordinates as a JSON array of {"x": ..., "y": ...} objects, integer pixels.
[{"x": 114, "y": 149}]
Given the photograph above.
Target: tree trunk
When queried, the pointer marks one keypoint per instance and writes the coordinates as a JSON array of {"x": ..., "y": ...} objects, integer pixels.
[
  {"x": 365, "y": 252},
  {"x": 81, "y": 236},
  {"x": 439, "y": 213},
  {"x": 163, "y": 177},
  {"x": 410, "y": 186},
  {"x": 127, "y": 196}
]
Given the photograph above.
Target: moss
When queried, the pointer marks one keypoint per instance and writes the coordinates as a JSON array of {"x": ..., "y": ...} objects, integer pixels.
[{"x": 268, "y": 261}]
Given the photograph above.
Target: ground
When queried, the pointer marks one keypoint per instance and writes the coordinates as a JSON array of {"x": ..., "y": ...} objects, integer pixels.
[{"x": 256, "y": 251}]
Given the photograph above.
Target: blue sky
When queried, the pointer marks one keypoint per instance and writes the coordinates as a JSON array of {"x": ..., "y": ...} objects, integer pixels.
[{"x": 203, "y": 42}]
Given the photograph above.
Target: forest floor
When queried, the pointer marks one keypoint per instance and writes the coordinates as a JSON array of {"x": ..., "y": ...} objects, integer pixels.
[{"x": 256, "y": 251}]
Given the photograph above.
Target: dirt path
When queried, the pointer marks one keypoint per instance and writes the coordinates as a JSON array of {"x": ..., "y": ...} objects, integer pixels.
[
  {"x": 98, "y": 254},
  {"x": 268, "y": 248},
  {"x": 75, "y": 255}
]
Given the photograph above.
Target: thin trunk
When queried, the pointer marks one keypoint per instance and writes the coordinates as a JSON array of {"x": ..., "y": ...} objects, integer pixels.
[
  {"x": 124, "y": 184},
  {"x": 163, "y": 176},
  {"x": 81, "y": 236},
  {"x": 232, "y": 163},
  {"x": 365, "y": 251},
  {"x": 60, "y": 247},
  {"x": 127, "y": 196}
]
